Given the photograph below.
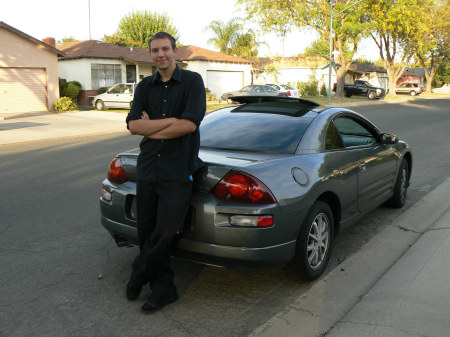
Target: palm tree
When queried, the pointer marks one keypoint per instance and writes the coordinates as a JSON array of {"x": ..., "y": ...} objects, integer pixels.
[{"x": 224, "y": 34}]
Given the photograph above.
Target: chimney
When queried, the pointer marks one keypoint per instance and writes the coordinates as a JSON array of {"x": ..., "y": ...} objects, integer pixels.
[{"x": 50, "y": 41}]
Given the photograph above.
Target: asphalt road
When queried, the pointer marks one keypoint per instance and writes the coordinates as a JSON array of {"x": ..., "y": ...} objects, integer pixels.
[{"x": 62, "y": 275}]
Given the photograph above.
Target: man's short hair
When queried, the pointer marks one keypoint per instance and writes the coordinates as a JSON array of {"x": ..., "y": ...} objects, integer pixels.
[{"x": 163, "y": 35}]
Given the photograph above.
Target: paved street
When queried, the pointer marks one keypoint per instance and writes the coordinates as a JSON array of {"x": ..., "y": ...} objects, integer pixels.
[{"x": 62, "y": 275}]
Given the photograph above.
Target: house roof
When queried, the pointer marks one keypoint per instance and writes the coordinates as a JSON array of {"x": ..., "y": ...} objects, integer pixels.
[
  {"x": 30, "y": 38},
  {"x": 98, "y": 49},
  {"x": 361, "y": 68},
  {"x": 293, "y": 62},
  {"x": 193, "y": 53}
]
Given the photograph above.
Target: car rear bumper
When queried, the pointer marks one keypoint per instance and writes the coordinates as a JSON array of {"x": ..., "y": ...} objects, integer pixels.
[{"x": 212, "y": 254}]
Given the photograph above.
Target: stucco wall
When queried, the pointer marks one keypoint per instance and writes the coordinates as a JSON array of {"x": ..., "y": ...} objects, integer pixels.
[{"x": 20, "y": 52}]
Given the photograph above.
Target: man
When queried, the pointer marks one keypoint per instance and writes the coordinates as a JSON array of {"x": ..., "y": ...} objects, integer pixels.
[{"x": 167, "y": 110}]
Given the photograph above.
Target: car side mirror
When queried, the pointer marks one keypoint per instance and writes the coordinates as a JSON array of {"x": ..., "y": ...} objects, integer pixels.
[{"x": 387, "y": 138}]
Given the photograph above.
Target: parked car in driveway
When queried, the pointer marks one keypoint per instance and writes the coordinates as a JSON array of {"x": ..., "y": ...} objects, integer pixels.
[
  {"x": 118, "y": 96},
  {"x": 409, "y": 88},
  {"x": 362, "y": 88},
  {"x": 285, "y": 88},
  {"x": 281, "y": 177},
  {"x": 252, "y": 90},
  {"x": 445, "y": 89}
]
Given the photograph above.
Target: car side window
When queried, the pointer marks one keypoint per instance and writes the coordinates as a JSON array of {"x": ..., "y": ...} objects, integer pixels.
[
  {"x": 270, "y": 89},
  {"x": 333, "y": 140},
  {"x": 354, "y": 133}
]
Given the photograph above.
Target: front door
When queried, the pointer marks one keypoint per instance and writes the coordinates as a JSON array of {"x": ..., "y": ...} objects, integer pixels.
[{"x": 376, "y": 162}]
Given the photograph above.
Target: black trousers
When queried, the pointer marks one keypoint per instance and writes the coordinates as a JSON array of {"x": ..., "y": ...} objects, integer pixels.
[{"x": 161, "y": 211}]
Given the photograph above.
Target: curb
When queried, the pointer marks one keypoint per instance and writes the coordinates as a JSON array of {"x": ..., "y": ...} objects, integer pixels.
[{"x": 316, "y": 311}]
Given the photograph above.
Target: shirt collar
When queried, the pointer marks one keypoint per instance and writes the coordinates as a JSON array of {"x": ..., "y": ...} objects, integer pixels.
[{"x": 175, "y": 76}]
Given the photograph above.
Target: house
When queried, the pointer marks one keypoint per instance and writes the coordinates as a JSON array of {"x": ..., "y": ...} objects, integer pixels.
[
  {"x": 412, "y": 75},
  {"x": 96, "y": 64},
  {"x": 375, "y": 75},
  {"x": 292, "y": 70},
  {"x": 28, "y": 72}
]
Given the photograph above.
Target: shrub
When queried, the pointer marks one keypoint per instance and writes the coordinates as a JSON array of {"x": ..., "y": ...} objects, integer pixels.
[
  {"x": 323, "y": 91},
  {"x": 70, "y": 89},
  {"x": 209, "y": 96},
  {"x": 64, "y": 104}
]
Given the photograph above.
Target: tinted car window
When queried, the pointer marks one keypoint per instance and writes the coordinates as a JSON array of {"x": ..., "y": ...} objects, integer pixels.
[
  {"x": 252, "y": 131},
  {"x": 332, "y": 140},
  {"x": 354, "y": 133}
]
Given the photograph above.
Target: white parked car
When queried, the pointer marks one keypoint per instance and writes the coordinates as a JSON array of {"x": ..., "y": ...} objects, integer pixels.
[
  {"x": 445, "y": 89},
  {"x": 118, "y": 96},
  {"x": 285, "y": 88}
]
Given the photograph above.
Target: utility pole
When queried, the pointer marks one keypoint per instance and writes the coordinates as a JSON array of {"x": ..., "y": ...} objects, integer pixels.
[{"x": 89, "y": 11}]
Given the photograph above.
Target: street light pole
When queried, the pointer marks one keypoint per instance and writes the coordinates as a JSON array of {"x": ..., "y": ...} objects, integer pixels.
[{"x": 331, "y": 33}]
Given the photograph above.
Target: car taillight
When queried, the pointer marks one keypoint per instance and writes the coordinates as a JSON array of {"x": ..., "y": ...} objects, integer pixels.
[
  {"x": 242, "y": 187},
  {"x": 289, "y": 93},
  {"x": 116, "y": 172}
]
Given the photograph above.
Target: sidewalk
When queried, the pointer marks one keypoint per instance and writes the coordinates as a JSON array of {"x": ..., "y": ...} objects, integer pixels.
[
  {"x": 47, "y": 125},
  {"x": 396, "y": 286}
]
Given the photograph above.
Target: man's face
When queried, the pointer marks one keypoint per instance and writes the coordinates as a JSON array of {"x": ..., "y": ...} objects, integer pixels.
[{"x": 162, "y": 54}]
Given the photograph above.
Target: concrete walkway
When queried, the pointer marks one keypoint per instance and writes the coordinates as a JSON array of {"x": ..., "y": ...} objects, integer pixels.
[
  {"x": 16, "y": 128},
  {"x": 396, "y": 286}
]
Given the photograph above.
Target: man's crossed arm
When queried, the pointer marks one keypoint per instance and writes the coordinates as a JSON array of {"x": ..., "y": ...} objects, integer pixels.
[{"x": 167, "y": 128}]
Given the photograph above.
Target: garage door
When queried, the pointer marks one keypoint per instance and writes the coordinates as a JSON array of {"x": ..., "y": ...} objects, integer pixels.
[
  {"x": 22, "y": 90},
  {"x": 222, "y": 81}
]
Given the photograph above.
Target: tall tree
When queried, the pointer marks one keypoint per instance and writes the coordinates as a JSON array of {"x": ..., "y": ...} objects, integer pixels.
[
  {"x": 394, "y": 25},
  {"x": 224, "y": 34},
  {"x": 136, "y": 28},
  {"x": 283, "y": 15},
  {"x": 319, "y": 47},
  {"x": 433, "y": 41}
]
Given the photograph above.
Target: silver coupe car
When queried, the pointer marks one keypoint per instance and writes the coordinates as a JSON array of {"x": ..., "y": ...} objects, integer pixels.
[{"x": 281, "y": 177}]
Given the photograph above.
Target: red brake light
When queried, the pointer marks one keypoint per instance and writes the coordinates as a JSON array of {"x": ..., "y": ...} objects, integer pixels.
[
  {"x": 242, "y": 187},
  {"x": 116, "y": 172},
  {"x": 289, "y": 93}
]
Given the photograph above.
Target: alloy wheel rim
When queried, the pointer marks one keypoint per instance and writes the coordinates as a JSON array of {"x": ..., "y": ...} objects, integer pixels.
[
  {"x": 403, "y": 185},
  {"x": 318, "y": 241}
]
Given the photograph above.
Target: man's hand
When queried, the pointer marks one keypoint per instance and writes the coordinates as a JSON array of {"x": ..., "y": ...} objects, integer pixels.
[{"x": 145, "y": 115}]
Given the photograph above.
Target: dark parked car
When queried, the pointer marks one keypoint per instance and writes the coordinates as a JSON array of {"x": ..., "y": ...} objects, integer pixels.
[
  {"x": 281, "y": 177},
  {"x": 362, "y": 88},
  {"x": 254, "y": 90}
]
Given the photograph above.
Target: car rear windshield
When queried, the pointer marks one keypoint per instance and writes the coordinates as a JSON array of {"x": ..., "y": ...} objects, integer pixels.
[{"x": 255, "y": 131}]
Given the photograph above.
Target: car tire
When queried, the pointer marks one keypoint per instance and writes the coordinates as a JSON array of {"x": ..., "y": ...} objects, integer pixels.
[
  {"x": 412, "y": 93},
  {"x": 100, "y": 105},
  {"x": 372, "y": 95},
  {"x": 401, "y": 186},
  {"x": 348, "y": 94},
  {"x": 315, "y": 241}
]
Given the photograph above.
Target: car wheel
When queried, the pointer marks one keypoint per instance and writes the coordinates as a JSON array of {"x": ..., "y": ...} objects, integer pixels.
[
  {"x": 315, "y": 241},
  {"x": 100, "y": 105},
  {"x": 401, "y": 187},
  {"x": 412, "y": 93},
  {"x": 348, "y": 94},
  {"x": 371, "y": 95}
]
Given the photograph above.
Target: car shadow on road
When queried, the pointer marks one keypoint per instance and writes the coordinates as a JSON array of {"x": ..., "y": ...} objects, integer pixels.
[{"x": 20, "y": 125}]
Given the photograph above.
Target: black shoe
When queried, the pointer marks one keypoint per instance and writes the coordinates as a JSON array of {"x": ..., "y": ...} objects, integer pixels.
[
  {"x": 133, "y": 289},
  {"x": 157, "y": 301}
]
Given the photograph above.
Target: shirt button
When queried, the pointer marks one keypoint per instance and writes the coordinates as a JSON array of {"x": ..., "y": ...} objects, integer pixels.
[
  {"x": 164, "y": 114},
  {"x": 159, "y": 155},
  {"x": 164, "y": 101}
]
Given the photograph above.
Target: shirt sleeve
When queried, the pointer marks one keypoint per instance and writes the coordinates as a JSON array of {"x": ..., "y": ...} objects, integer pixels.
[
  {"x": 138, "y": 104},
  {"x": 196, "y": 102}
]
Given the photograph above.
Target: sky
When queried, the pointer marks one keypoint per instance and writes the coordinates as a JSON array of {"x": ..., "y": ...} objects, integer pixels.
[{"x": 59, "y": 19}]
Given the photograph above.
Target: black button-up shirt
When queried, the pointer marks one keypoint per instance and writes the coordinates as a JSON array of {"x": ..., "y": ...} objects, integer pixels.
[{"x": 183, "y": 97}]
